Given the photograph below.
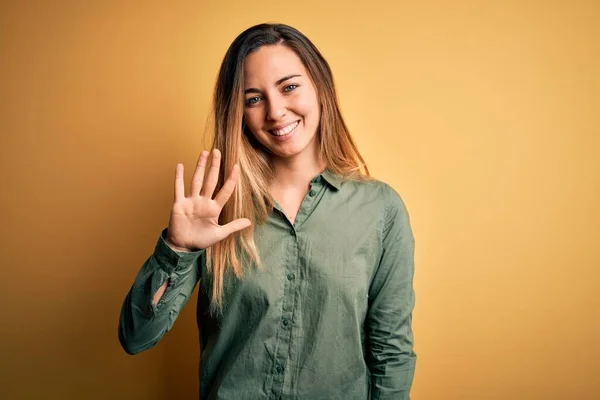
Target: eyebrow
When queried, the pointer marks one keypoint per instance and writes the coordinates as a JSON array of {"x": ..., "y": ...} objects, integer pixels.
[{"x": 279, "y": 82}]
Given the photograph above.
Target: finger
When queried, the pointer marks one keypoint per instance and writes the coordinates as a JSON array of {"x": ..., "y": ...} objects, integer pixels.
[
  {"x": 227, "y": 190},
  {"x": 213, "y": 175},
  {"x": 179, "y": 189},
  {"x": 198, "y": 177},
  {"x": 235, "y": 226}
]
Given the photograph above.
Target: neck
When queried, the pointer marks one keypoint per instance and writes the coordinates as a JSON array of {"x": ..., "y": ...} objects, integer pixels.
[{"x": 296, "y": 172}]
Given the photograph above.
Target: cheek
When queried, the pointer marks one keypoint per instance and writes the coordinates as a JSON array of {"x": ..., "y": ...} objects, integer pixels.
[
  {"x": 308, "y": 105},
  {"x": 253, "y": 119}
]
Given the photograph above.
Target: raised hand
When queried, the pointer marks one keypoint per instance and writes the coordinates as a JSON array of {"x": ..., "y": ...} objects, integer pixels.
[{"x": 194, "y": 221}]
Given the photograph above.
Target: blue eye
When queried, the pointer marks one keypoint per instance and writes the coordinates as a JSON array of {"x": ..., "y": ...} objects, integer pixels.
[
  {"x": 289, "y": 88},
  {"x": 252, "y": 100}
]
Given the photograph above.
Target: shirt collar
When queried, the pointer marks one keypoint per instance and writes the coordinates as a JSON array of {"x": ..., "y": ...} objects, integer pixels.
[{"x": 332, "y": 179}]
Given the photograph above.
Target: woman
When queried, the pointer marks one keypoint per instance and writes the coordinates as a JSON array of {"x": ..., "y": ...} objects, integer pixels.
[{"x": 305, "y": 263}]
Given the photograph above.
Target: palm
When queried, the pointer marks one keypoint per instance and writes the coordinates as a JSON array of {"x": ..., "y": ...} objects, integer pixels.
[{"x": 194, "y": 222}]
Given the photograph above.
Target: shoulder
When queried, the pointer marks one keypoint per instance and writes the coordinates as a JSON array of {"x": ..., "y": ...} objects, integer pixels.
[
  {"x": 392, "y": 210},
  {"x": 379, "y": 191}
]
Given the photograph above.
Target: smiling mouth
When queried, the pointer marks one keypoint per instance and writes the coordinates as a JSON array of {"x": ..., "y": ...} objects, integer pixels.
[{"x": 284, "y": 131}]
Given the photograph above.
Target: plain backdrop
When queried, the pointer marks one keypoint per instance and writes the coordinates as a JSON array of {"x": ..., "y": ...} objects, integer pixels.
[{"x": 484, "y": 115}]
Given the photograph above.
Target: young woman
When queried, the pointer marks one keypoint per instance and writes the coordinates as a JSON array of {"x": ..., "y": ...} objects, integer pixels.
[{"x": 305, "y": 263}]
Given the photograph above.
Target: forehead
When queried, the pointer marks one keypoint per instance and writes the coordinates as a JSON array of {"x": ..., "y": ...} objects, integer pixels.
[{"x": 269, "y": 63}]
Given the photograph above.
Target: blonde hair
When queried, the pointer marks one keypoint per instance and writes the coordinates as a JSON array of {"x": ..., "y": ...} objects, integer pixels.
[{"x": 251, "y": 198}]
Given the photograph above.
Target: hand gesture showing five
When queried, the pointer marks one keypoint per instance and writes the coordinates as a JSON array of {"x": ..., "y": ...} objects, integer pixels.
[{"x": 194, "y": 221}]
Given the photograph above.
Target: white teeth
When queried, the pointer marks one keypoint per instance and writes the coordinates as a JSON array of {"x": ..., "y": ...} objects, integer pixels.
[{"x": 286, "y": 130}]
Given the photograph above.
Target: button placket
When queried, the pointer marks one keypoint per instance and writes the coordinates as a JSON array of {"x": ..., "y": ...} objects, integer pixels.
[{"x": 284, "y": 334}]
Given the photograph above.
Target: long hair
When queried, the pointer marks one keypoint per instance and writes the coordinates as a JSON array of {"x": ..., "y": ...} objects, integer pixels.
[{"x": 251, "y": 198}]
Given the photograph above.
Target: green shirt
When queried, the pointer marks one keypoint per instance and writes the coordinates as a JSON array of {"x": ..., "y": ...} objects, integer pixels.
[{"x": 327, "y": 316}]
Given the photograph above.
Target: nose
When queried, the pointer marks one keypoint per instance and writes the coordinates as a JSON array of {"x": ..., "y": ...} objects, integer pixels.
[{"x": 276, "y": 108}]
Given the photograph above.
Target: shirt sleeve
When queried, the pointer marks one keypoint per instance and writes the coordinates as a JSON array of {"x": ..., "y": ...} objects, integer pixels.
[
  {"x": 141, "y": 323},
  {"x": 390, "y": 356}
]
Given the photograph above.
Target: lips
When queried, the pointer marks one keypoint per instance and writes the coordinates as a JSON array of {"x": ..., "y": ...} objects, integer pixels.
[{"x": 285, "y": 130}]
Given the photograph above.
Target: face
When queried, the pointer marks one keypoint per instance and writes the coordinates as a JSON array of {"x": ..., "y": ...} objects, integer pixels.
[{"x": 281, "y": 105}]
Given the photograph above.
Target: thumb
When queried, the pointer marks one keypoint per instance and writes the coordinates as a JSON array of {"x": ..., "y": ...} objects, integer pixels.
[{"x": 235, "y": 226}]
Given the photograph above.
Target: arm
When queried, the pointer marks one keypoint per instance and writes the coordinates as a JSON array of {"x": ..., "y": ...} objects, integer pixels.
[
  {"x": 390, "y": 356},
  {"x": 143, "y": 322}
]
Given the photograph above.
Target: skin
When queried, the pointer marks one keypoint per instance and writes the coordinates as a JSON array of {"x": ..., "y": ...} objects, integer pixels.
[{"x": 273, "y": 102}]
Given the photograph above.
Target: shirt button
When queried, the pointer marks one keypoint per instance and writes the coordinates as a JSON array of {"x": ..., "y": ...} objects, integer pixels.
[
  {"x": 292, "y": 232},
  {"x": 279, "y": 369},
  {"x": 312, "y": 193},
  {"x": 290, "y": 277},
  {"x": 285, "y": 322}
]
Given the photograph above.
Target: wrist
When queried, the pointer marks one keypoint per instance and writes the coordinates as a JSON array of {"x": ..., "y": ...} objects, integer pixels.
[{"x": 175, "y": 247}]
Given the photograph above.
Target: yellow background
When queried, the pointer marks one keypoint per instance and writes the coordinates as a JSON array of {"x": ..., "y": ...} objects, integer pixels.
[{"x": 484, "y": 115}]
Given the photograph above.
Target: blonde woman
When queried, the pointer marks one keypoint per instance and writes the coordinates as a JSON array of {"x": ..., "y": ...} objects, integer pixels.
[{"x": 305, "y": 263}]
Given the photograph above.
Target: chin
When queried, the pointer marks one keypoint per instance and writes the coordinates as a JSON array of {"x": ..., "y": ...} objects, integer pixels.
[
  {"x": 292, "y": 151},
  {"x": 297, "y": 148}
]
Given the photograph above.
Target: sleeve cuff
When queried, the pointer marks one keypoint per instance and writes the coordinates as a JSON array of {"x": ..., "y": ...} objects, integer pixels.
[{"x": 170, "y": 259}]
